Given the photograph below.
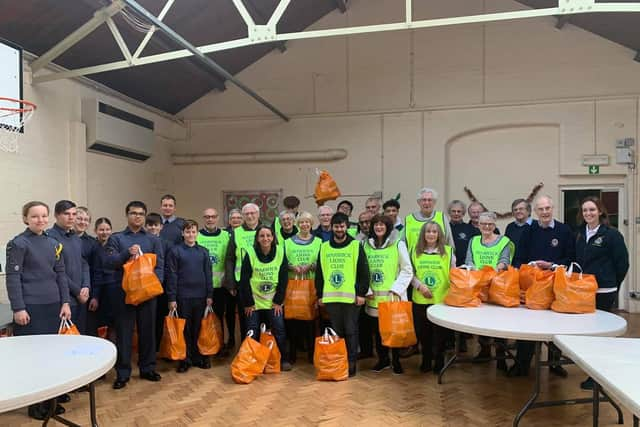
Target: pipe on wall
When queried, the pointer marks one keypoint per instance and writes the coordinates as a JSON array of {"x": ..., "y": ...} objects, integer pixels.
[{"x": 259, "y": 157}]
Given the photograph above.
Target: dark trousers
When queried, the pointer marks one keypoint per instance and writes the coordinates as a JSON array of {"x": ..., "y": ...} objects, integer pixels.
[
  {"x": 233, "y": 303},
  {"x": 344, "y": 320},
  {"x": 45, "y": 319},
  {"x": 79, "y": 317},
  {"x": 604, "y": 302},
  {"x": 430, "y": 336},
  {"x": 381, "y": 350},
  {"x": 273, "y": 322},
  {"x": 144, "y": 317},
  {"x": 105, "y": 315},
  {"x": 192, "y": 311},
  {"x": 300, "y": 330},
  {"x": 162, "y": 309},
  {"x": 224, "y": 308},
  {"x": 365, "y": 333}
]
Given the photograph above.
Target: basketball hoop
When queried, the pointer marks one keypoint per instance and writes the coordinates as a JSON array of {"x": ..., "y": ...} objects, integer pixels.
[{"x": 14, "y": 113}]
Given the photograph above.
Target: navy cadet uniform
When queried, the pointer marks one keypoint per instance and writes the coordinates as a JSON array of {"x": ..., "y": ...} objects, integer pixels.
[
  {"x": 189, "y": 284},
  {"x": 77, "y": 270},
  {"x": 172, "y": 230},
  {"x": 90, "y": 254},
  {"x": 143, "y": 315},
  {"x": 106, "y": 287}
]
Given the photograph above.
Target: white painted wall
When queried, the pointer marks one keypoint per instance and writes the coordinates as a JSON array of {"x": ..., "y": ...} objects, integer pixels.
[{"x": 498, "y": 107}]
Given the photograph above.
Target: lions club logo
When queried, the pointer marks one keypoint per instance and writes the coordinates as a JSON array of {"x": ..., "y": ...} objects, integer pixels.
[
  {"x": 377, "y": 277},
  {"x": 598, "y": 241},
  {"x": 214, "y": 259},
  {"x": 554, "y": 242},
  {"x": 266, "y": 287},
  {"x": 336, "y": 279},
  {"x": 430, "y": 281},
  {"x": 462, "y": 236}
]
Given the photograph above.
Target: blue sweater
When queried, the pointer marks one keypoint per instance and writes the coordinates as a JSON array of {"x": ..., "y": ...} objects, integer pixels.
[
  {"x": 75, "y": 266},
  {"x": 462, "y": 234},
  {"x": 172, "y": 231},
  {"x": 605, "y": 255},
  {"x": 556, "y": 245},
  {"x": 35, "y": 274},
  {"x": 103, "y": 276},
  {"x": 189, "y": 272},
  {"x": 117, "y": 249}
]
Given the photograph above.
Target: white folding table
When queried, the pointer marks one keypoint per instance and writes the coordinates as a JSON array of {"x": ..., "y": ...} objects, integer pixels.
[
  {"x": 520, "y": 323},
  {"x": 37, "y": 368},
  {"x": 612, "y": 363}
]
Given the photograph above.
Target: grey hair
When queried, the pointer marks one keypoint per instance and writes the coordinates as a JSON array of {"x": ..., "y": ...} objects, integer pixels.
[
  {"x": 543, "y": 197},
  {"x": 491, "y": 216},
  {"x": 286, "y": 213},
  {"x": 325, "y": 207},
  {"x": 250, "y": 205},
  {"x": 233, "y": 211},
  {"x": 456, "y": 203},
  {"x": 425, "y": 190}
]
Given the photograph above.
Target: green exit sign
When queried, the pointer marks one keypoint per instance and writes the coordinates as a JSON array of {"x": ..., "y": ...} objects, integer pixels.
[{"x": 594, "y": 170}]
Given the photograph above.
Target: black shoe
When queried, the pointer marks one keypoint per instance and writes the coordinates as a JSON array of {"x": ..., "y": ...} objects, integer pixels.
[
  {"x": 285, "y": 366},
  {"x": 425, "y": 366},
  {"x": 364, "y": 355},
  {"x": 381, "y": 366},
  {"x": 60, "y": 410},
  {"x": 517, "y": 371},
  {"x": 204, "y": 364},
  {"x": 151, "y": 376},
  {"x": 38, "y": 411},
  {"x": 559, "y": 371},
  {"x": 587, "y": 384},
  {"x": 182, "y": 367},
  {"x": 352, "y": 370},
  {"x": 64, "y": 398},
  {"x": 120, "y": 383},
  {"x": 408, "y": 351},
  {"x": 397, "y": 367}
]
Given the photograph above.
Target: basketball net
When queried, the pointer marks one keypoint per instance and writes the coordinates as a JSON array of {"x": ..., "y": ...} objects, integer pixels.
[{"x": 14, "y": 113}]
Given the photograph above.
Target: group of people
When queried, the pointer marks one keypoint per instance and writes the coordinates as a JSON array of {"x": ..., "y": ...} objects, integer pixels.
[{"x": 242, "y": 272}]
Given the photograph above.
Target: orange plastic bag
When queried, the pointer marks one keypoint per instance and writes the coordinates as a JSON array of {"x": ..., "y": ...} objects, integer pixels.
[
  {"x": 330, "y": 357},
  {"x": 103, "y": 332},
  {"x": 250, "y": 361},
  {"x": 465, "y": 286},
  {"x": 326, "y": 188},
  {"x": 485, "y": 281},
  {"x": 539, "y": 295},
  {"x": 505, "y": 288},
  {"x": 210, "y": 337},
  {"x": 139, "y": 281},
  {"x": 67, "y": 328},
  {"x": 300, "y": 300},
  {"x": 172, "y": 345},
  {"x": 574, "y": 292},
  {"x": 395, "y": 320},
  {"x": 269, "y": 341}
]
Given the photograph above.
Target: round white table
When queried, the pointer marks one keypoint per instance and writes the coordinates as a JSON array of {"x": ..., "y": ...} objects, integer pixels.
[
  {"x": 37, "y": 368},
  {"x": 520, "y": 323}
]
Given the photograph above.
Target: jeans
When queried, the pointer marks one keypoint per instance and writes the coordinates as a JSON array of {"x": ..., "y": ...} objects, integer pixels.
[{"x": 273, "y": 322}]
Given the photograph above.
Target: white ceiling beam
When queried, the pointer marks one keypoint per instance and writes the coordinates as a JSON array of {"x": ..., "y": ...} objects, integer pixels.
[
  {"x": 99, "y": 17},
  {"x": 152, "y": 30},
  {"x": 429, "y": 23},
  {"x": 246, "y": 16},
  {"x": 119, "y": 40},
  {"x": 408, "y": 11},
  {"x": 277, "y": 14}
]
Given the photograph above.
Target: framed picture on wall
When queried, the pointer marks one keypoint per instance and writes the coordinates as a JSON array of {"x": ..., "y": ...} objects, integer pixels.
[{"x": 267, "y": 200}]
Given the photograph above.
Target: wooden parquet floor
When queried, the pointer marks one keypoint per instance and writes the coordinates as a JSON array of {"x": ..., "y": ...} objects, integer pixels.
[{"x": 472, "y": 395}]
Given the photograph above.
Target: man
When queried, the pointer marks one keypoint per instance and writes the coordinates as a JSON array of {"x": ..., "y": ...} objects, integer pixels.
[
  {"x": 427, "y": 199},
  {"x": 171, "y": 224},
  {"x": 391, "y": 208},
  {"x": 372, "y": 205},
  {"x": 216, "y": 241},
  {"x": 342, "y": 281},
  {"x": 521, "y": 210},
  {"x": 346, "y": 207},
  {"x": 291, "y": 204},
  {"x": 475, "y": 209},
  {"x": 76, "y": 266},
  {"x": 548, "y": 243},
  {"x": 462, "y": 232},
  {"x": 90, "y": 254},
  {"x": 240, "y": 241},
  {"x": 120, "y": 248},
  {"x": 325, "y": 213},
  {"x": 364, "y": 225},
  {"x": 153, "y": 226}
]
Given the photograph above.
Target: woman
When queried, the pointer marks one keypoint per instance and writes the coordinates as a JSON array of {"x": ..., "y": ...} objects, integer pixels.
[
  {"x": 36, "y": 283},
  {"x": 105, "y": 288},
  {"x": 432, "y": 259},
  {"x": 600, "y": 250},
  {"x": 497, "y": 252},
  {"x": 287, "y": 227},
  {"x": 390, "y": 274},
  {"x": 302, "y": 251},
  {"x": 235, "y": 219},
  {"x": 263, "y": 283}
]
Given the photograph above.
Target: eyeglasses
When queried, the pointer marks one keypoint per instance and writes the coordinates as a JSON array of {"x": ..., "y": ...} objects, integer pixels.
[
  {"x": 136, "y": 213},
  {"x": 487, "y": 224},
  {"x": 210, "y": 216}
]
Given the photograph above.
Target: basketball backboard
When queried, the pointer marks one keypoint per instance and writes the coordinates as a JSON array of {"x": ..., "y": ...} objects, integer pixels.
[{"x": 10, "y": 81}]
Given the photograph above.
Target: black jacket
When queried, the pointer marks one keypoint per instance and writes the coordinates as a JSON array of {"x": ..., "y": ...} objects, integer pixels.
[{"x": 605, "y": 255}]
